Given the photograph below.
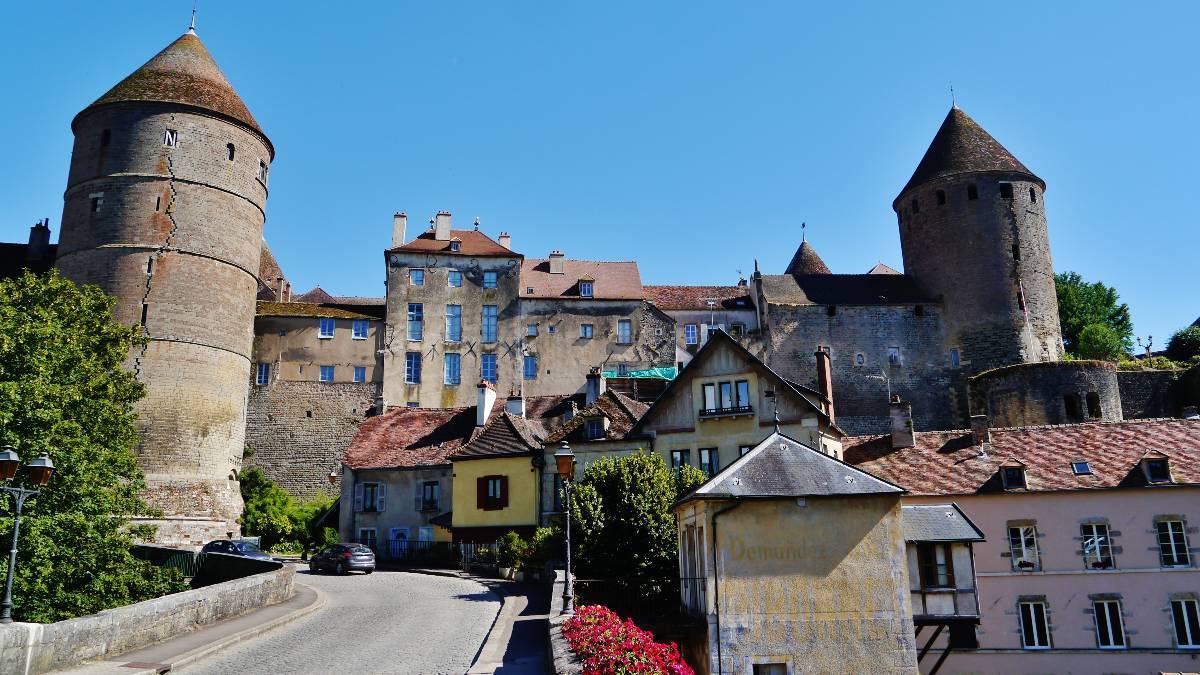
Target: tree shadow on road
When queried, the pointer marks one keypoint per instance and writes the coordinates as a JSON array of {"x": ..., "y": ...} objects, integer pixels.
[{"x": 481, "y": 596}]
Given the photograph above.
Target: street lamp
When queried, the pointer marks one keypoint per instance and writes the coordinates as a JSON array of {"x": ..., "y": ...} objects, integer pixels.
[
  {"x": 564, "y": 461},
  {"x": 39, "y": 472}
]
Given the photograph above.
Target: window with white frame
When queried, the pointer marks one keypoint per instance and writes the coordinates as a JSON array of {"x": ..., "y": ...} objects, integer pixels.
[
  {"x": 691, "y": 334},
  {"x": 326, "y": 374},
  {"x": 1022, "y": 543},
  {"x": 412, "y": 368},
  {"x": 262, "y": 374},
  {"x": 371, "y": 497},
  {"x": 489, "y": 279},
  {"x": 1172, "y": 543},
  {"x": 1185, "y": 616},
  {"x": 453, "y": 323},
  {"x": 531, "y": 330},
  {"x": 1035, "y": 629},
  {"x": 585, "y": 331},
  {"x": 624, "y": 331},
  {"x": 416, "y": 321},
  {"x": 453, "y": 370},
  {"x": 326, "y": 328},
  {"x": 416, "y": 277},
  {"x": 595, "y": 428},
  {"x": 360, "y": 373},
  {"x": 487, "y": 367},
  {"x": 1097, "y": 546},
  {"x": 488, "y": 328},
  {"x": 360, "y": 329},
  {"x": 454, "y": 279},
  {"x": 431, "y": 492},
  {"x": 680, "y": 458},
  {"x": 1110, "y": 629},
  {"x": 585, "y": 289}
]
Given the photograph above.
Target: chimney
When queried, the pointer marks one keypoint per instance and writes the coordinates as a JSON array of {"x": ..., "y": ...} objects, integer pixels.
[
  {"x": 506, "y": 240},
  {"x": 556, "y": 262},
  {"x": 288, "y": 296},
  {"x": 279, "y": 289},
  {"x": 399, "y": 225},
  {"x": 515, "y": 405},
  {"x": 900, "y": 412},
  {"x": 441, "y": 226},
  {"x": 483, "y": 405},
  {"x": 39, "y": 241},
  {"x": 979, "y": 429},
  {"x": 825, "y": 381},
  {"x": 595, "y": 385}
]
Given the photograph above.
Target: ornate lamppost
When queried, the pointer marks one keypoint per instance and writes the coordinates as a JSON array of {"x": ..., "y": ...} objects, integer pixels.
[
  {"x": 564, "y": 461},
  {"x": 39, "y": 472}
]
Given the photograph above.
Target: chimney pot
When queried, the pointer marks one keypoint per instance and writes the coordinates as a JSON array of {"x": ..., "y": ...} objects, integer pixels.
[
  {"x": 399, "y": 225},
  {"x": 556, "y": 262},
  {"x": 596, "y": 385},
  {"x": 506, "y": 240},
  {"x": 39, "y": 241},
  {"x": 980, "y": 433},
  {"x": 441, "y": 226}
]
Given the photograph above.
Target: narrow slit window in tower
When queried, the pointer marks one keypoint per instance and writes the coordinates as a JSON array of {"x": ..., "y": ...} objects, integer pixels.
[
  {"x": 95, "y": 200},
  {"x": 171, "y": 138},
  {"x": 105, "y": 138},
  {"x": 150, "y": 265},
  {"x": 1006, "y": 191},
  {"x": 158, "y": 203},
  {"x": 972, "y": 192},
  {"x": 916, "y": 206},
  {"x": 262, "y": 171},
  {"x": 230, "y": 151},
  {"x": 1016, "y": 251},
  {"x": 145, "y": 312},
  {"x": 1093, "y": 405},
  {"x": 1033, "y": 195},
  {"x": 941, "y": 197}
]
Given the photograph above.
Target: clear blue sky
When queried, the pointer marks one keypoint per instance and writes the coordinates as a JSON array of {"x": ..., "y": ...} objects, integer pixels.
[{"x": 690, "y": 136}]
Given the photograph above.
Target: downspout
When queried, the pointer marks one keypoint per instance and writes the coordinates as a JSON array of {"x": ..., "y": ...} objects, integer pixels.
[{"x": 716, "y": 578}]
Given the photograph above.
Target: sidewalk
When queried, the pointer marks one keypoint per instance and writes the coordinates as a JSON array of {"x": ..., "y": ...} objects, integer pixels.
[
  {"x": 187, "y": 648},
  {"x": 516, "y": 644}
]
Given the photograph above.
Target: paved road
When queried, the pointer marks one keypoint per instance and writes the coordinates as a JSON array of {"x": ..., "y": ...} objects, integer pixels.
[{"x": 386, "y": 622}]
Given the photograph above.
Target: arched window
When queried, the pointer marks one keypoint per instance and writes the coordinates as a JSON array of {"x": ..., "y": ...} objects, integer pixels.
[
  {"x": 1033, "y": 195},
  {"x": 1093, "y": 405},
  {"x": 229, "y": 151},
  {"x": 941, "y": 197}
]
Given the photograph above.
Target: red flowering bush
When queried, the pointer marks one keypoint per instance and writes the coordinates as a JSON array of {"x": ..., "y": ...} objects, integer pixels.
[{"x": 609, "y": 646}]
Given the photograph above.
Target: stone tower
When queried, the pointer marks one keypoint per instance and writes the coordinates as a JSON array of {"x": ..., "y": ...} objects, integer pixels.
[
  {"x": 164, "y": 209},
  {"x": 973, "y": 232}
]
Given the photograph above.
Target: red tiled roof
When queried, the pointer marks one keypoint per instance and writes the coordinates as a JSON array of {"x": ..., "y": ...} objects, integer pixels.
[
  {"x": 267, "y": 308},
  {"x": 471, "y": 243},
  {"x": 948, "y": 463},
  {"x": 410, "y": 437},
  {"x": 697, "y": 297},
  {"x": 622, "y": 413},
  {"x": 881, "y": 268},
  {"x": 317, "y": 294},
  {"x": 505, "y": 434},
  {"x": 613, "y": 280}
]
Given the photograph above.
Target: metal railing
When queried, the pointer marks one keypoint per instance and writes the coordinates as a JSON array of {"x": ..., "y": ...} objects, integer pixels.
[
  {"x": 728, "y": 410},
  {"x": 646, "y": 598},
  {"x": 443, "y": 554}
]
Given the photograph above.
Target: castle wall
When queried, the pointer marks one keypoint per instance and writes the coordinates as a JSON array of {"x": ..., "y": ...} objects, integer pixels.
[
  {"x": 1063, "y": 392},
  {"x": 296, "y": 352},
  {"x": 924, "y": 375},
  {"x": 1148, "y": 393}
]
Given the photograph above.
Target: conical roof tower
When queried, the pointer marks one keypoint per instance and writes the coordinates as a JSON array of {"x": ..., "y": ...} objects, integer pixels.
[{"x": 806, "y": 261}]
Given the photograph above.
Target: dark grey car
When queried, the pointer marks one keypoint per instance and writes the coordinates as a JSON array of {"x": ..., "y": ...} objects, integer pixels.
[
  {"x": 343, "y": 559},
  {"x": 245, "y": 549}
]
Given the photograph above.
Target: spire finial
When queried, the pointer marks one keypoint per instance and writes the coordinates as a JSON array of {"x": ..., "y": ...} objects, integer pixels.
[
  {"x": 192, "y": 27},
  {"x": 953, "y": 102},
  {"x": 803, "y": 238}
]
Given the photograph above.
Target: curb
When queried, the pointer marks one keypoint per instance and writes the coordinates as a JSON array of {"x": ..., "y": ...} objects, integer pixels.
[{"x": 494, "y": 589}]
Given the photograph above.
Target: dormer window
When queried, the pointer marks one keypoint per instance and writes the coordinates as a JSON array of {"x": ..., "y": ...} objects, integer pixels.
[
  {"x": 1013, "y": 477},
  {"x": 1157, "y": 470},
  {"x": 454, "y": 246},
  {"x": 585, "y": 288},
  {"x": 595, "y": 429}
]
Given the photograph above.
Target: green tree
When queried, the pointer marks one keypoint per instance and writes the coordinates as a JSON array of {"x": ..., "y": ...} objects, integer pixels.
[
  {"x": 1184, "y": 344},
  {"x": 64, "y": 392},
  {"x": 621, "y": 519},
  {"x": 1099, "y": 341},
  {"x": 267, "y": 509},
  {"x": 307, "y": 529},
  {"x": 1082, "y": 304}
]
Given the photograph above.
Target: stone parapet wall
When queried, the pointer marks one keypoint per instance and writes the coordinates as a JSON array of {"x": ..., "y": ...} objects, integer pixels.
[
  {"x": 28, "y": 648},
  {"x": 1062, "y": 392},
  {"x": 1148, "y": 393}
]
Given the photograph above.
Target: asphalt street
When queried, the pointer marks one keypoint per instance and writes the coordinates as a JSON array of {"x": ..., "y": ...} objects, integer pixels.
[{"x": 386, "y": 622}]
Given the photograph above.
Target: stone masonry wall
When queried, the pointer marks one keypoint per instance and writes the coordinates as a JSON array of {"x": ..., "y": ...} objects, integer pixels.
[
  {"x": 1038, "y": 393},
  {"x": 299, "y": 431},
  {"x": 1148, "y": 393}
]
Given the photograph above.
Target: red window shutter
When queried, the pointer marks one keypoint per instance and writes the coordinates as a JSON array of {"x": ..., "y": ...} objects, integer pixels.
[
  {"x": 481, "y": 493},
  {"x": 503, "y": 491}
]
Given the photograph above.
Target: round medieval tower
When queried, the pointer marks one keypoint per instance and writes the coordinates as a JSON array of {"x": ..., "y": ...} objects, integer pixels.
[
  {"x": 164, "y": 210},
  {"x": 973, "y": 232}
]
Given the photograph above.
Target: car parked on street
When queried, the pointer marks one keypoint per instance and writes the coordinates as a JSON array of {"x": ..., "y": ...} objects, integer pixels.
[
  {"x": 343, "y": 559},
  {"x": 246, "y": 549}
]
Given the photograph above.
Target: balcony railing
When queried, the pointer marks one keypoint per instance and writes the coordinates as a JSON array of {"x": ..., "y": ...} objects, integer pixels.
[
  {"x": 726, "y": 411},
  {"x": 945, "y": 602}
]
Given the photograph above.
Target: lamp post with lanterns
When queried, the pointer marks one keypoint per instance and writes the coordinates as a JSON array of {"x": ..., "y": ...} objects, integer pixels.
[
  {"x": 564, "y": 461},
  {"x": 38, "y": 472}
]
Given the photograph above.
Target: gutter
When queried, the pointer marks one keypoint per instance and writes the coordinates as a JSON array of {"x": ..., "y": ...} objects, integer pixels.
[{"x": 716, "y": 578}]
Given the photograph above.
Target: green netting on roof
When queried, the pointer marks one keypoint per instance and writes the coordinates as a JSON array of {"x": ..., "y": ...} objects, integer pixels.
[{"x": 667, "y": 373}]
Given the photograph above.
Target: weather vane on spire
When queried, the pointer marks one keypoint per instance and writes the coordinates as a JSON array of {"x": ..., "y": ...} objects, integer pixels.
[
  {"x": 953, "y": 103},
  {"x": 803, "y": 237},
  {"x": 192, "y": 27}
]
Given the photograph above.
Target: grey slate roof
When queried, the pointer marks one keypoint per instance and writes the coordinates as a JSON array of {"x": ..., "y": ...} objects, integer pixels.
[
  {"x": 842, "y": 289},
  {"x": 937, "y": 522},
  {"x": 781, "y": 466}
]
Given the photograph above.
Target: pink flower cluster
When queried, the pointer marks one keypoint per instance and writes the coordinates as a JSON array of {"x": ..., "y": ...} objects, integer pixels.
[{"x": 609, "y": 646}]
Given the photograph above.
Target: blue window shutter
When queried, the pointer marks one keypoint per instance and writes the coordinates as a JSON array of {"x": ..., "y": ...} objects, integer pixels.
[
  {"x": 381, "y": 497},
  {"x": 358, "y": 497}
]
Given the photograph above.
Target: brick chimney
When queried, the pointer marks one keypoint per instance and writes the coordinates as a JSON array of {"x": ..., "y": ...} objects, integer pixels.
[
  {"x": 483, "y": 405},
  {"x": 39, "y": 241},
  {"x": 515, "y": 405},
  {"x": 399, "y": 225},
  {"x": 903, "y": 434},
  {"x": 505, "y": 240},
  {"x": 595, "y": 385},
  {"x": 556, "y": 262},
  {"x": 279, "y": 290},
  {"x": 825, "y": 381},
  {"x": 441, "y": 226},
  {"x": 980, "y": 433}
]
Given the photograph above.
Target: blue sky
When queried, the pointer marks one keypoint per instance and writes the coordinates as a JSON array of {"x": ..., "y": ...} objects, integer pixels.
[{"x": 693, "y": 137}]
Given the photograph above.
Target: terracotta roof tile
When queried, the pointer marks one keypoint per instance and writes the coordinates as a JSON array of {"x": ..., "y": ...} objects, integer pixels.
[
  {"x": 613, "y": 280},
  {"x": 471, "y": 243},
  {"x": 842, "y": 289},
  {"x": 410, "y": 437},
  {"x": 948, "y": 463},
  {"x": 807, "y": 261},
  {"x": 621, "y": 411},
  {"x": 317, "y": 294},
  {"x": 266, "y": 308},
  {"x": 697, "y": 297},
  {"x": 880, "y": 268},
  {"x": 505, "y": 434}
]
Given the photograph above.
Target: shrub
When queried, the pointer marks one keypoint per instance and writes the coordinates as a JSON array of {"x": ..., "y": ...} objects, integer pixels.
[
  {"x": 511, "y": 550},
  {"x": 606, "y": 644},
  {"x": 1100, "y": 342},
  {"x": 1184, "y": 344}
]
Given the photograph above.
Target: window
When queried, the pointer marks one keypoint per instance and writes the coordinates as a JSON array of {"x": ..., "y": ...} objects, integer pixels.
[
  {"x": 1172, "y": 543},
  {"x": 145, "y": 314},
  {"x": 955, "y": 359},
  {"x": 743, "y": 449},
  {"x": 726, "y": 389},
  {"x": 860, "y": 359},
  {"x": 1093, "y": 405},
  {"x": 489, "y": 279},
  {"x": 416, "y": 321},
  {"x": 531, "y": 330},
  {"x": 1071, "y": 405},
  {"x": 452, "y": 372},
  {"x": 624, "y": 331},
  {"x": 262, "y": 171},
  {"x": 263, "y": 374},
  {"x": 893, "y": 356},
  {"x": 709, "y": 392},
  {"x": 1186, "y": 617},
  {"x": 1110, "y": 631},
  {"x": 171, "y": 138},
  {"x": 230, "y": 151},
  {"x": 367, "y": 537},
  {"x": 359, "y": 330},
  {"x": 1016, "y": 250},
  {"x": 530, "y": 367},
  {"x": 1032, "y": 195},
  {"x": 680, "y": 458},
  {"x": 105, "y": 138},
  {"x": 916, "y": 205},
  {"x": 1022, "y": 543},
  {"x": 412, "y": 368},
  {"x": 1081, "y": 468},
  {"x": 371, "y": 497},
  {"x": 488, "y": 328},
  {"x": 622, "y": 369},
  {"x": 972, "y": 192},
  {"x": 95, "y": 201},
  {"x": 413, "y": 404},
  {"x": 941, "y": 197},
  {"x": 360, "y": 373},
  {"x": 691, "y": 334},
  {"x": 455, "y": 246},
  {"x": 416, "y": 277},
  {"x": 487, "y": 367},
  {"x": 1013, "y": 477},
  {"x": 1035, "y": 634},
  {"x": 595, "y": 429},
  {"x": 742, "y": 389},
  {"x": 936, "y": 565},
  {"x": 585, "y": 331},
  {"x": 491, "y": 493},
  {"x": 431, "y": 492},
  {"x": 326, "y": 328},
  {"x": 1097, "y": 546},
  {"x": 770, "y": 669},
  {"x": 454, "y": 279},
  {"x": 737, "y": 330},
  {"x": 157, "y": 204},
  {"x": 1006, "y": 191},
  {"x": 710, "y": 461},
  {"x": 326, "y": 374},
  {"x": 551, "y": 329},
  {"x": 453, "y": 323},
  {"x": 1158, "y": 471},
  {"x": 529, "y": 290},
  {"x": 585, "y": 289}
]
